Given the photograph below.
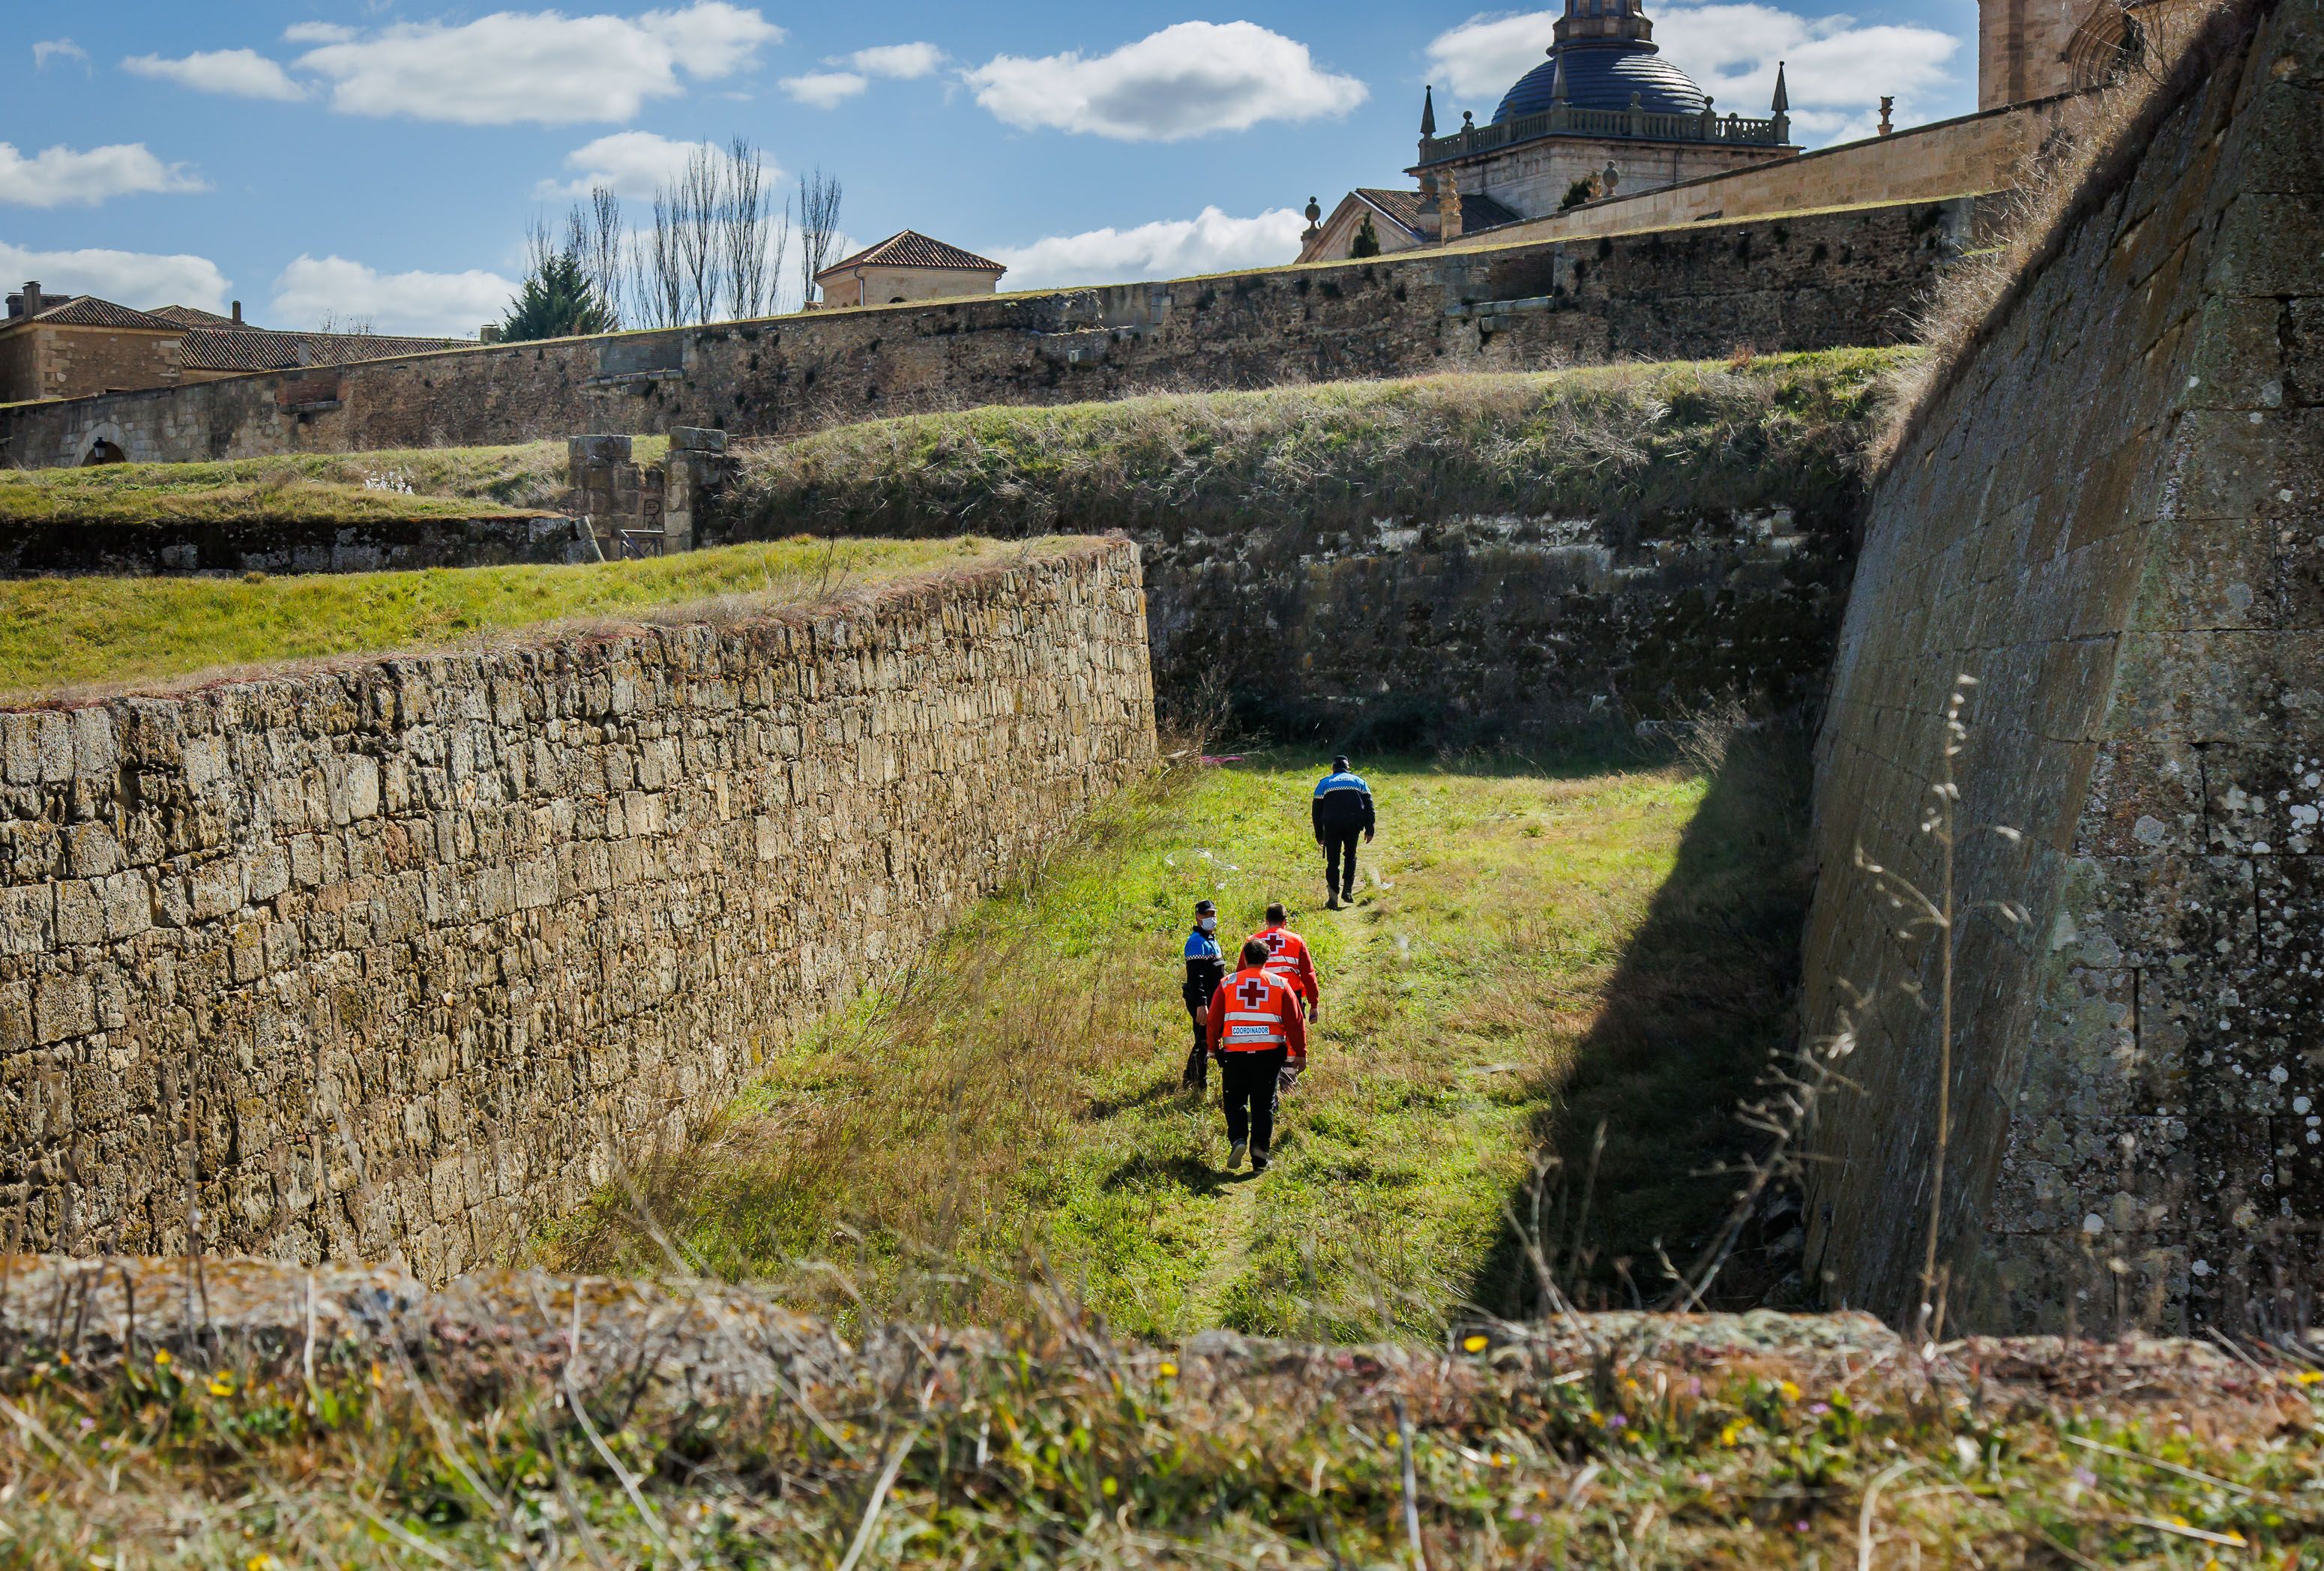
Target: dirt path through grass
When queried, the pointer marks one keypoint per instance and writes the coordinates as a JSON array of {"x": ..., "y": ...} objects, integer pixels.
[{"x": 1017, "y": 1099}]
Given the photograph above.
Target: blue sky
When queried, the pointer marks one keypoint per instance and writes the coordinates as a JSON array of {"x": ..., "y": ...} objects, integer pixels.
[{"x": 380, "y": 159}]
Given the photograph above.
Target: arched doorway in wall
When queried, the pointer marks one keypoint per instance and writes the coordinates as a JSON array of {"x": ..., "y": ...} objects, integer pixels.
[{"x": 104, "y": 444}]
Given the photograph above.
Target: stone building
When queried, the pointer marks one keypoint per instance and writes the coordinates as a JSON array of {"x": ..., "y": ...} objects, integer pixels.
[
  {"x": 2029, "y": 49},
  {"x": 67, "y": 346},
  {"x": 908, "y": 266},
  {"x": 1605, "y": 114}
]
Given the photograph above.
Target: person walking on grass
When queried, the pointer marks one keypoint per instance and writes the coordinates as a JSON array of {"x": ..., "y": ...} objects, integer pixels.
[
  {"x": 1206, "y": 967},
  {"x": 1256, "y": 1031},
  {"x": 1343, "y": 810},
  {"x": 1288, "y": 958}
]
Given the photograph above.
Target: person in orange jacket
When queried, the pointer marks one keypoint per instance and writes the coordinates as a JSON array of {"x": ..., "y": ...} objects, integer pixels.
[
  {"x": 1287, "y": 957},
  {"x": 1257, "y": 1028}
]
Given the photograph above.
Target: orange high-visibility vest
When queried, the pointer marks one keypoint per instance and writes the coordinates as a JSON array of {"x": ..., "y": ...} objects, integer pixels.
[
  {"x": 1254, "y": 1011},
  {"x": 1286, "y": 957}
]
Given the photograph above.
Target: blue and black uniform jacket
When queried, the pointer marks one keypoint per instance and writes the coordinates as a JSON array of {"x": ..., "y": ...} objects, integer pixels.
[
  {"x": 1206, "y": 967},
  {"x": 1342, "y": 802}
]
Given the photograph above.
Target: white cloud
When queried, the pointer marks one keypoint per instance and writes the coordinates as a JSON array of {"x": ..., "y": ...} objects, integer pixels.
[
  {"x": 241, "y": 73},
  {"x": 63, "y": 175},
  {"x": 132, "y": 277},
  {"x": 319, "y": 33},
  {"x": 825, "y": 89},
  {"x": 57, "y": 49},
  {"x": 447, "y": 303},
  {"x": 539, "y": 66},
  {"x": 1836, "y": 69},
  {"x": 1170, "y": 248},
  {"x": 1182, "y": 81},
  {"x": 631, "y": 163},
  {"x": 903, "y": 61}
]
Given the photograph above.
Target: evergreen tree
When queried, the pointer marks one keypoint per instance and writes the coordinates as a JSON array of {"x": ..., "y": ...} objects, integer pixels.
[
  {"x": 556, "y": 300},
  {"x": 1366, "y": 242}
]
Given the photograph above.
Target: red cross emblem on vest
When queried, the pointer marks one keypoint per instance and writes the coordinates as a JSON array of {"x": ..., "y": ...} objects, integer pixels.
[
  {"x": 1273, "y": 942},
  {"x": 1253, "y": 993}
]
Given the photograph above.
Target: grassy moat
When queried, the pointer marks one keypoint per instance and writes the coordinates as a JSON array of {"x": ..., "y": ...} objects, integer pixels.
[{"x": 1537, "y": 949}]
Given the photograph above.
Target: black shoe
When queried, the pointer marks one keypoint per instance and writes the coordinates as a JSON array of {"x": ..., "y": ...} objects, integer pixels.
[{"x": 1258, "y": 1161}]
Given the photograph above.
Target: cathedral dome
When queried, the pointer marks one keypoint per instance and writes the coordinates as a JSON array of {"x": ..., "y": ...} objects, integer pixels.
[
  {"x": 1606, "y": 50},
  {"x": 1604, "y": 77}
]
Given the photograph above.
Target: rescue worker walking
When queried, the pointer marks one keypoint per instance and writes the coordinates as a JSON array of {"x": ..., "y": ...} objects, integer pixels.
[
  {"x": 1288, "y": 958},
  {"x": 1206, "y": 967},
  {"x": 1256, "y": 1030},
  {"x": 1343, "y": 810}
]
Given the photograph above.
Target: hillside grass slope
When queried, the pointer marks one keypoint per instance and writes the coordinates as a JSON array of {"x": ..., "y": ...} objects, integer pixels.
[
  {"x": 1537, "y": 949},
  {"x": 63, "y": 637},
  {"x": 422, "y": 482},
  {"x": 1617, "y": 442}
]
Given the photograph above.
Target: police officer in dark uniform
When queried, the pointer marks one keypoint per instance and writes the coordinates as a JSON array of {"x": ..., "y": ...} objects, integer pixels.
[
  {"x": 1206, "y": 967},
  {"x": 1343, "y": 811}
]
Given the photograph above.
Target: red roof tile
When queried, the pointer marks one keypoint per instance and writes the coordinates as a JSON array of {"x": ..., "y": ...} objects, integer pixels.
[
  {"x": 910, "y": 248},
  {"x": 88, "y": 311}
]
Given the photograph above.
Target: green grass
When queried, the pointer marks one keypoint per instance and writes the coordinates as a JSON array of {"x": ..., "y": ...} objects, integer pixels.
[
  {"x": 1611, "y": 442},
  {"x": 80, "y": 633},
  {"x": 1017, "y": 1097},
  {"x": 328, "y": 487}
]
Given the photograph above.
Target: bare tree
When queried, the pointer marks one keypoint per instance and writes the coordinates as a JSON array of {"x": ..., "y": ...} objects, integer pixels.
[
  {"x": 594, "y": 235},
  {"x": 818, "y": 223},
  {"x": 751, "y": 237},
  {"x": 348, "y": 326},
  {"x": 660, "y": 274},
  {"x": 694, "y": 206}
]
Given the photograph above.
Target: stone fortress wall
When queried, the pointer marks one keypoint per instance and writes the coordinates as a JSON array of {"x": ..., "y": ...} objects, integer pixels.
[
  {"x": 394, "y": 958},
  {"x": 2109, "y": 515},
  {"x": 1810, "y": 282}
]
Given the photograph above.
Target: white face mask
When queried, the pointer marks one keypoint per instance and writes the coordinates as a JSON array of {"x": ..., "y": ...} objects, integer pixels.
[{"x": 1208, "y": 924}]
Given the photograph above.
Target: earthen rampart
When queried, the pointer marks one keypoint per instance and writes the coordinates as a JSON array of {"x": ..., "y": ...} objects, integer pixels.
[
  {"x": 399, "y": 958},
  {"x": 49, "y": 546},
  {"x": 2108, "y": 515},
  {"x": 1705, "y": 290}
]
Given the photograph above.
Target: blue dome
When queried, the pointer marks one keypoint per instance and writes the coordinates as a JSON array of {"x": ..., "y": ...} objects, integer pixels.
[{"x": 1601, "y": 75}]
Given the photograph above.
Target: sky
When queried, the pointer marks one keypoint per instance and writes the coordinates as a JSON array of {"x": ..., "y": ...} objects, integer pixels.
[{"x": 382, "y": 160}]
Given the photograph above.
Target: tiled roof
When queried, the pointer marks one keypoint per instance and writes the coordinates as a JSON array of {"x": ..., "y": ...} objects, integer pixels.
[
  {"x": 910, "y": 248},
  {"x": 88, "y": 311},
  {"x": 261, "y": 349},
  {"x": 1407, "y": 209},
  {"x": 190, "y": 316}
]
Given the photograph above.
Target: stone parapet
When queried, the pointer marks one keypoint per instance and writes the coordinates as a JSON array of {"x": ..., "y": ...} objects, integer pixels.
[
  {"x": 1703, "y": 290},
  {"x": 399, "y": 958}
]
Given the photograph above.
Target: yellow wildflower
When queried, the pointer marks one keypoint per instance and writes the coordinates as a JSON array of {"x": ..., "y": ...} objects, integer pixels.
[
  {"x": 1110, "y": 1488},
  {"x": 1790, "y": 1392},
  {"x": 2307, "y": 1377},
  {"x": 162, "y": 1357},
  {"x": 221, "y": 1384},
  {"x": 1475, "y": 1342},
  {"x": 1165, "y": 1369}
]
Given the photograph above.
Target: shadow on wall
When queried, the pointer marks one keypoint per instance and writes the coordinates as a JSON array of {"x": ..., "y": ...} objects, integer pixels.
[{"x": 1704, "y": 999}]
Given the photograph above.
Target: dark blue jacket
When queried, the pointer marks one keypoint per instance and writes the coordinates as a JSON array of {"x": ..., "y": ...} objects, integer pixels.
[{"x": 1342, "y": 802}]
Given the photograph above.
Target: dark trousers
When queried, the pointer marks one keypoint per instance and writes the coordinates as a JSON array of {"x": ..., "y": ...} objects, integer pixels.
[
  {"x": 1198, "y": 1063},
  {"x": 1340, "y": 861},
  {"x": 1249, "y": 1085}
]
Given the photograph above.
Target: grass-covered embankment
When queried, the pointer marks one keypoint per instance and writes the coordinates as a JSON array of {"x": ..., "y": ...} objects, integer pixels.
[
  {"x": 427, "y": 483},
  {"x": 1539, "y": 949},
  {"x": 522, "y": 1422},
  {"x": 92, "y": 633},
  {"x": 1623, "y": 441}
]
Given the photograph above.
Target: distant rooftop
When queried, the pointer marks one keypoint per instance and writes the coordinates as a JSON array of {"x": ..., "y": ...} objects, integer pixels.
[{"x": 910, "y": 248}]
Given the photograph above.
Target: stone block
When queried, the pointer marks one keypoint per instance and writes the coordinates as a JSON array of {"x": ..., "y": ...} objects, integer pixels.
[{"x": 697, "y": 439}]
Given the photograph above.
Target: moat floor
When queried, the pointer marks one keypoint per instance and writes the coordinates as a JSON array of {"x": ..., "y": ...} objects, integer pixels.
[{"x": 1536, "y": 950}]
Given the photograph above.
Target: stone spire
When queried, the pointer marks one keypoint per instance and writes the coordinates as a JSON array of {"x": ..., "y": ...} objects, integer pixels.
[
  {"x": 1428, "y": 110},
  {"x": 1782, "y": 97},
  {"x": 1557, "y": 83}
]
